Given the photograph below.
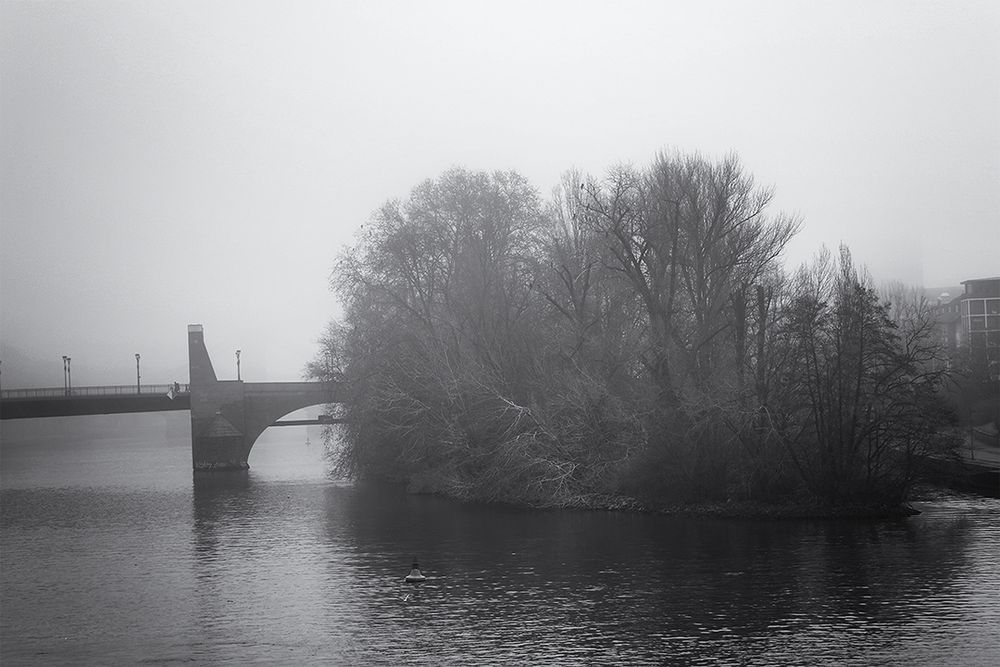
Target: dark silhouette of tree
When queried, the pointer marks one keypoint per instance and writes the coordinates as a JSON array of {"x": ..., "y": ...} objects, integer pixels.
[
  {"x": 870, "y": 388},
  {"x": 633, "y": 335}
]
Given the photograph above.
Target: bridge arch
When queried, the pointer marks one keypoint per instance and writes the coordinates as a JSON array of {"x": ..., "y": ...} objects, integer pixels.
[
  {"x": 265, "y": 408},
  {"x": 293, "y": 452}
]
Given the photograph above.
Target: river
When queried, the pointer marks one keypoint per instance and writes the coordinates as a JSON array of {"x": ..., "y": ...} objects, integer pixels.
[{"x": 111, "y": 553}]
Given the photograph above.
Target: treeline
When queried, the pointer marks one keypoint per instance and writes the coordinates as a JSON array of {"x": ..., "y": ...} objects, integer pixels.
[{"x": 634, "y": 335}]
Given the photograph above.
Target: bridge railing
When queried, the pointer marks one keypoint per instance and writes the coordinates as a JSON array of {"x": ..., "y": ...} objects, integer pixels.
[{"x": 106, "y": 390}]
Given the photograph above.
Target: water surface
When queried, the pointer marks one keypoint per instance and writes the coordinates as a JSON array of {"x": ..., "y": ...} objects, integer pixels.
[{"x": 114, "y": 553}]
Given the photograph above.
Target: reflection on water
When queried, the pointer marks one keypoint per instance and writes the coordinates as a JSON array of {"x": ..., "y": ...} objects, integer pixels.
[{"x": 281, "y": 565}]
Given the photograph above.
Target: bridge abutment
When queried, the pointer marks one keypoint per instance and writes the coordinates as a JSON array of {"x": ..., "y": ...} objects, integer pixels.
[{"x": 227, "y": 416}]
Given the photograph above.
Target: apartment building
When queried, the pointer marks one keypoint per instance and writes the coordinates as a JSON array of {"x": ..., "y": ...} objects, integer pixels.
[{"x": 972, "y": 320}]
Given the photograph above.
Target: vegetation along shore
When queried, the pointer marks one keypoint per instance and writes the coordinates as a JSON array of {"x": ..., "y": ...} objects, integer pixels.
[{"x": 632, "y": 341}]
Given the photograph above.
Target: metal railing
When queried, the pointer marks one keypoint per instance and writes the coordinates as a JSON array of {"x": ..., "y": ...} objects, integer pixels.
[{"x": 84, "y": 392}]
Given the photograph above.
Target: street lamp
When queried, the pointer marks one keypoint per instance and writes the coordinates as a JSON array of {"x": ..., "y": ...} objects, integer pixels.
[
  {"x": 238, "y": 365},
  {"x": 65, "y": 386},
  {"x": 138, "y": 389}
]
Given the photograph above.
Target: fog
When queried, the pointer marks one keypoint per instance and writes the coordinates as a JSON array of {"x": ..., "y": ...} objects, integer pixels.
[{"x": 167, "y": 163}]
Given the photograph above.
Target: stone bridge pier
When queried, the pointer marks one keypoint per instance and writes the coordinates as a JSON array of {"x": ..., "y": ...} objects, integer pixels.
[{"x": 227, "y": 416}]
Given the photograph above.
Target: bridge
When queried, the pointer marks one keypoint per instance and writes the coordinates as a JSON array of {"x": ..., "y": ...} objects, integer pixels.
[
  {"x": 62, "y": 402},
  {"x": 227, "y": 416}
]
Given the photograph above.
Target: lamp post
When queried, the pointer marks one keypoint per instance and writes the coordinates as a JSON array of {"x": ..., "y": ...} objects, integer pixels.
[
  {"x": 238, "y": 365},
  {"x": 65, "y": 386},
  {"x": 138, "y": 388}
]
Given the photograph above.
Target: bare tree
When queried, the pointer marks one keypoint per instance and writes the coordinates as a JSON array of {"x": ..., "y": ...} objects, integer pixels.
[
  {"x": 869, "y": 387},
  {"x": 692, "y": 237}
]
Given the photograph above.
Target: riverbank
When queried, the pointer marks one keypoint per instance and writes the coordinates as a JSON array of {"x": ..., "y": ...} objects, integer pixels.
[
  {"x": 721, "y": 510},
  {"x": 742, "y": 509},
  {"x": 973, "y": 471},
  {"x": 925, "y": 492},
  {"x": 941, "y": 476}
]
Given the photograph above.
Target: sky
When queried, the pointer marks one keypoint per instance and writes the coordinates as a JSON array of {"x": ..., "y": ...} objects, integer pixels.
[{"x": 164, "y": 163}]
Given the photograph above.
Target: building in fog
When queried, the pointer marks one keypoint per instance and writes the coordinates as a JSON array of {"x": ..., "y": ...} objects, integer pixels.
[
  {"x": 972, "y": 321},
  {"x": 981, "y": 321},
  {"x": 947, "y": 313}
]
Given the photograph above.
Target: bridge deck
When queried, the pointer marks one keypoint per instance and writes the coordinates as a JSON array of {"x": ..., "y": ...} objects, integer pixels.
[{"x": 60, "y": 402}]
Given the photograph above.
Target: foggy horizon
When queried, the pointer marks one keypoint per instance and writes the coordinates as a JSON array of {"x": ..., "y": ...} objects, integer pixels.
[{"x": 167, "y": 164}]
